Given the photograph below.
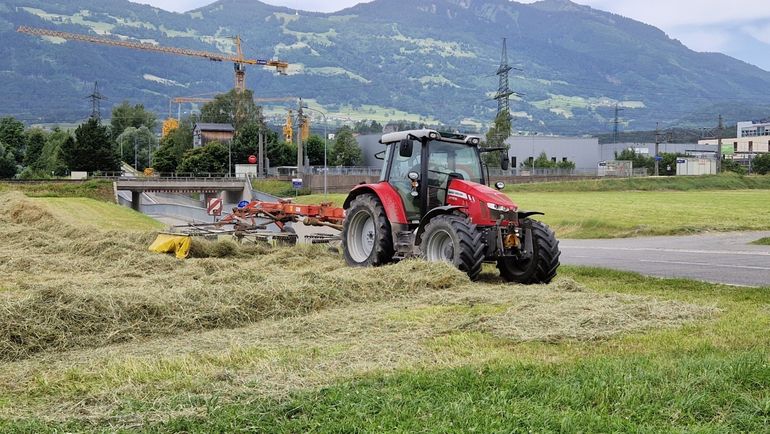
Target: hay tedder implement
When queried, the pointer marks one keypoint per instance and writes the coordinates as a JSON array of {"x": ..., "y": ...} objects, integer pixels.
[
  {"x": 433, "y": 201},
  {"x": 251, "y": 221}
]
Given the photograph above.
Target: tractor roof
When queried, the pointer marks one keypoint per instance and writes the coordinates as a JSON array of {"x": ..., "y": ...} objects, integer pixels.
[{"x": 430, "y": 134}]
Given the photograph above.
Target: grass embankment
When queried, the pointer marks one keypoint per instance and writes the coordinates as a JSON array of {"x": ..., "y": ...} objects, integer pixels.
[
  {"x": 762, "y": 242},
  {"x": 615, "y": 214},
  {"x": 96, "y": 333},
  {"x": 93, "y": 213},
  {"x": 93, "y": 189},
  {"x": 278, "y": 188},
  {"x": 727, "y": 181}
]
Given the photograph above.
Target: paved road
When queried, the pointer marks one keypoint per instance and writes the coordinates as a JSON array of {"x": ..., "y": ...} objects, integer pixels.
[{"x": 714, "y": 257}]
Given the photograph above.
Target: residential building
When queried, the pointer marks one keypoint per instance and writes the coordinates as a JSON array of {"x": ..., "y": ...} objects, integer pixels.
[{"x": 204, "y": 133}]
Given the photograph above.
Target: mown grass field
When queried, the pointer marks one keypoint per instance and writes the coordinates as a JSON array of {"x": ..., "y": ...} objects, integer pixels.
[
  {"x": 613, "y": 214},
  {"x": 98, "y": 214},
  {"x": 98, "y": 190},
  {"x": 98, "y": 334}
]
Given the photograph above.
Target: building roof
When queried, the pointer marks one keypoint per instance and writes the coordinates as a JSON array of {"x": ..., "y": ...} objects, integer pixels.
[{"x": 214, "y": 127}]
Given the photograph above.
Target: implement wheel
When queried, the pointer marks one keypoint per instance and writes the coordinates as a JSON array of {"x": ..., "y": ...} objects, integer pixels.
[
  {"x": 366, "y": 237},
  {"x": 543, "y": 261},
  {"x": 453, "y": 239}
]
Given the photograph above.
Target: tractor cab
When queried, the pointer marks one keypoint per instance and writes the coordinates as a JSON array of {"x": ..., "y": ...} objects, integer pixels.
[
  {"x": 432, "y": 201},
  {"x": 421, "y": 166}
]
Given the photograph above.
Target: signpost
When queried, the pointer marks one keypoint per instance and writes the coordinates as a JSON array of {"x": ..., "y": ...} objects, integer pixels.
[{"x": 215, "y": 207}]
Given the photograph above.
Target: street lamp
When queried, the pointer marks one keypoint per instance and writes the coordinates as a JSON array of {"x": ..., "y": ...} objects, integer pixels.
[{"x": 326, "y": 137}]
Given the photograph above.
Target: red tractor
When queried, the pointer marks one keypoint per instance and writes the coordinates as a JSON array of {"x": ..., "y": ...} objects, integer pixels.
[{"x": 432, "y": 201}]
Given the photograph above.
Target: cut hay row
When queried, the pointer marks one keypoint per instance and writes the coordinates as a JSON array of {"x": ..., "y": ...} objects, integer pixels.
[
  {"x": 68, "y": 287},
  {"x": 276, "y": 357}
]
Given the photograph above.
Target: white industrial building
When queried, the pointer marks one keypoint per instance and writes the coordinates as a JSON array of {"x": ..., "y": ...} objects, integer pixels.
[{"x": 753, "y": 129}]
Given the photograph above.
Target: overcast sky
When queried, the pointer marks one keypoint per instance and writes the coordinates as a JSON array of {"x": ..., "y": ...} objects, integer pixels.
[{"x": 740, "y": 28}]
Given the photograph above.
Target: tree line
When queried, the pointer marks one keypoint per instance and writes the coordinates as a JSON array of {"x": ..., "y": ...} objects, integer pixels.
[{"x": 130, "y": 137}]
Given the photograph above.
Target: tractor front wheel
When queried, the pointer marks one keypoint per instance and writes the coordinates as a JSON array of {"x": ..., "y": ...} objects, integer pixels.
[
  {"x": 542, "y": 262},
  {"x": 453, "y": 239},
  {"x": 366, "y": 237}
]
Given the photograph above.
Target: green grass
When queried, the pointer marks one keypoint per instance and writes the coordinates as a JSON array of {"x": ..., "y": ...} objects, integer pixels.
[
  {"x": 762, "y": 241},
  {"x": 728, "y": 181},
  {"x": 93, "y": 213},
  {"x": 277, "y": 188},
  {"x": 99, "y": 190},
  {"x": 709, "y": 376},
  {"x": 613, "y": 214}
]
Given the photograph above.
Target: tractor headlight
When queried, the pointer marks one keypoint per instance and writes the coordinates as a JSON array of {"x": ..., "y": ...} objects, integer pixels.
[
  {"x": 499, "y": 185},
  {"x": 496, "y": 207},
  {"x": 433, "y": 135}
]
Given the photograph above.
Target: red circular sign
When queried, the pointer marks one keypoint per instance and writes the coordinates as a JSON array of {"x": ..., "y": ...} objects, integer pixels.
[{"x": 252, "y": 159}]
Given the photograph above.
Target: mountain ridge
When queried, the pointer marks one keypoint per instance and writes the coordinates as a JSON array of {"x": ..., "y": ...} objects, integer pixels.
[{"x": 382, "y": 57}]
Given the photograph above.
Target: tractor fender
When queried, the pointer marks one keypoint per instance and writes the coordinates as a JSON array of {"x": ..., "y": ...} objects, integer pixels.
[
  {"x": 448, "y": 209},
  {"x": 391, "y": 200},
  {"x": 525, "y": 214}
]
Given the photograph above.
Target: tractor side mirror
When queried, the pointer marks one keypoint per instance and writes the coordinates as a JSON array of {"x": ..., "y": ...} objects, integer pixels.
[
  {"x": 405, "y": 148},
  {"x": 504, "y": 161}
]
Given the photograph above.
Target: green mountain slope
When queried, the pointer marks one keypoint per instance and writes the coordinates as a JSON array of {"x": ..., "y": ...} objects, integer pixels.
[{"x": 433, "y": 58}]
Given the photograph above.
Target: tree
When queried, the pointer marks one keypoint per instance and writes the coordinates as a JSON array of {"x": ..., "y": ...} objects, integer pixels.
[
  {"x": 281, "y": 153},
  {"x": 125, "y": 116},
  {"x": 366, "y": 127},
  {"x": 496, "y": 137},
  {"x": 236, "y": 108},
  {"x": 135, "y": 144},
  {"x": 639, "y": 160},
  {"x": 91, "y": 150},
  {"x": 8, "y": 166},
  {"x": 761, "y": 164},
  {"x": 211, "y": 158},
  {"x": 500, "y": 131},
  {"x": 173, "y": 147},
  {"x": 730, "y": 165},
  {"x": 12, "y": 137},
  {"x": 35, "y": 139},
  {"x": 315, "y": 150},
  {"x": 565, "y": 165},
  {"x": 50, "y": 162},
  {"x": 345, "y": 151},
  {"x": 542, "y": 162}
]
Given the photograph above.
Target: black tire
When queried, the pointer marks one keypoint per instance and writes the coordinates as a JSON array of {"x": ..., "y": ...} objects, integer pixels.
[
  {"x": 453, "y": 238},
  {"x": 541, "y": 266},
  {"x": 366, "y": 237},
  {"x": 288, "y": 237}
]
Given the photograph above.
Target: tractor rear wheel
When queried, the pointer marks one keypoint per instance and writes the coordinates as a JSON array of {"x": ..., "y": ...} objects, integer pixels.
[
  {"x": 453, "y": 239},
  {"x": 543, "y": 261},
  {"x": 366, "y": 237}
]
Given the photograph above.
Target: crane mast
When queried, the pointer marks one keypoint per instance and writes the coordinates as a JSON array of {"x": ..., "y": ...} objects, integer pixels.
[{"x": 239, "y": 61}]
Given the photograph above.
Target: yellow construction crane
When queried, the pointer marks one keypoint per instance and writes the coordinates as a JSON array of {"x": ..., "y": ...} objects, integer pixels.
[
  {"x": 239, "y": 61},
  {"x": 288, "y": 131}
]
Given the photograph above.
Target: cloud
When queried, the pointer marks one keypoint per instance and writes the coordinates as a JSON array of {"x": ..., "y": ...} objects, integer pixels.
[{"x": 760, "y": 32}]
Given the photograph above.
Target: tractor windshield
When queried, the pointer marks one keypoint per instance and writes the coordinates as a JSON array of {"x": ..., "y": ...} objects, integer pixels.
[{"x": 453, "y": 158}]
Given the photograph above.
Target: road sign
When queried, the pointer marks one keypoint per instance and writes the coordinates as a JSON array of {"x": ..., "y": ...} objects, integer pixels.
[
  {"x": 215, "y": 207},
  {"x": 296, "y": 183},
  {"x": 243, "y": 204},
  {"x": 658, "y": 158},
  {"x": 680, "y": 161}
]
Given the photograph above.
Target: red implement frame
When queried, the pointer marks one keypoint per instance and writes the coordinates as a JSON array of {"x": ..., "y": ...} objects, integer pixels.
[{"x": 283, "y": 212}]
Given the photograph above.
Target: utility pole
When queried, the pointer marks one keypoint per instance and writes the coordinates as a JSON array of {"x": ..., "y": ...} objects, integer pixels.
[
  {"x": 261, "y": 153},
  {"x": 503, "y": 90},
  {"x": 136, "y": 154},
  {"x": 616, "y": 122},
  {"x": 657, "y": 148},
  {"x": 300, "y": 151},
  {"x": 96, "y": 107},
  {"x": 719, "y": 145}
]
